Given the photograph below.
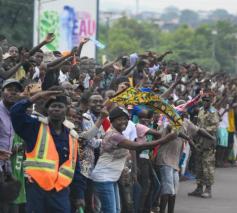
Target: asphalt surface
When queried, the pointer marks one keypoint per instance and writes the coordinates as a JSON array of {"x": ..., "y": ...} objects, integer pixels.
[{"x": 224, "y": 195}]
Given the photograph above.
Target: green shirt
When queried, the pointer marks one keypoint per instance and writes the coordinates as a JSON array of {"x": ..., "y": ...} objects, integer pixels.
[{"x": 17, "y": 169}]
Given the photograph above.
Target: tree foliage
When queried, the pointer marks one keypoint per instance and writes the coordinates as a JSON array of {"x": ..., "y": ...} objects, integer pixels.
[
  {"x": 212, "y": 46},
  {"x": 16, "y": 21}
]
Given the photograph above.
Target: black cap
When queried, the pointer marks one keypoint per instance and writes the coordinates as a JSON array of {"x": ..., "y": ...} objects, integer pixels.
[
  {"x": 12, "y": 81},
  {"x": 118, "y": 112},
  {"x": 58, "y": 98}
]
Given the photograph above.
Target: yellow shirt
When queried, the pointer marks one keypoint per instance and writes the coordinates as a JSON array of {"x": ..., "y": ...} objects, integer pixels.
[
  {"x": 20, "y": 74},
  {"x": 231, "y": 118}
]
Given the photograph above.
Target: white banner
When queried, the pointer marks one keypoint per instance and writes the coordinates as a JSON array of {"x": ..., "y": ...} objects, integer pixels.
[{"x": 68, "y": 20}]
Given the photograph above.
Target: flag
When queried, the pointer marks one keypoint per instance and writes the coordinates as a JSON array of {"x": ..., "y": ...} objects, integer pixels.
[
  {"x": 97, "y": 43},
  {"x": 132, "y": 96}
]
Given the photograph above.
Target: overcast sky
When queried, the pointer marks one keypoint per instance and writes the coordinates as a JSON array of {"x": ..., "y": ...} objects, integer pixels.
[{"x": 152, "y": 5}]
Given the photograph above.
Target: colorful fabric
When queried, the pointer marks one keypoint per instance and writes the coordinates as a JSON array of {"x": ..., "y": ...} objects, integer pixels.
[
  {"x": 188, "y": 104},
  {"x": 132, "y": 96}
]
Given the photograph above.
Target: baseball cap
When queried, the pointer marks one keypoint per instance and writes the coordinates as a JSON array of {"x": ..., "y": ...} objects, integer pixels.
[
  {"x": 118, "y": 112},
  {"x": 12, "y": 81}
]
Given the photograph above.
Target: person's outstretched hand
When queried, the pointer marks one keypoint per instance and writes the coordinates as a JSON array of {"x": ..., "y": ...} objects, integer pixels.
[
  {"x": 84, "y": 40},
  {"x": 49, "y": 38},
  {"x": 45, "y": 95}
]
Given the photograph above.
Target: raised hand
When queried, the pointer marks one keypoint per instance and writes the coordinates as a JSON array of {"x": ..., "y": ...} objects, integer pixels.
[
  {"x": 117, "y": 67},
  {"x": 49, "y": 38},
  {"x": 104, "y": 113},
  {"x": 84, "y": 40},
  {"x": 45, "y": 95}
]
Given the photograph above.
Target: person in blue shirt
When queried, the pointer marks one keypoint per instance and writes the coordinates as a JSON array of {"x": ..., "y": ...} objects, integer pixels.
[{"x": 27, "y": 127}]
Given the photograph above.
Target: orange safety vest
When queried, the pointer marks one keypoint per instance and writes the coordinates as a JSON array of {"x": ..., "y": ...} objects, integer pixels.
[{"x": 42, "y": 164}]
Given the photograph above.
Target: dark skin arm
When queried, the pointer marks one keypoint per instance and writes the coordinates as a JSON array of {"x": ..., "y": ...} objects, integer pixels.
[
  {"x": 59, "y": 60},
  {"x": 59, "y": 64},
  {"x": 79, "y": 49},
  {"x": 7, "y": 74},
  {"x": 125, "y": 72},
  {"x": 205, "y": 134},
  {"x": 167, "y": 93},
  {"x": 127, "y": 144},
  {"x": 160, "y": 58},
  {"x": 49, "y": 38},
  {"x": 155, "y": 133},
  {"x": 44, "y": 95},
  {"x": 111, "y": 63}
]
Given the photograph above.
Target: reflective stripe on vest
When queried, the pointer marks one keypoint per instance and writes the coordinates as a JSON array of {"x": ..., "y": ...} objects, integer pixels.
[
  {"x": 66, "y": 172},
  {"x": 44, "y": 140},
  {"x": 46, "y": 165},
  {"x": 42, "y": 164}
]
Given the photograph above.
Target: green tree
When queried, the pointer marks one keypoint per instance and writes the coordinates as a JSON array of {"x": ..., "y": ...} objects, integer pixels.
[
  {"x": 17, "y": 21},
  {"x": 213, "y": 46},
  {"x": 189, "y": 17}
]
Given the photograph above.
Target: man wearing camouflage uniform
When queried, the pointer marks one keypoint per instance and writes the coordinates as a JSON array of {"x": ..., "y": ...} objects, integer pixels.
[{"x": 205, "y": 158}]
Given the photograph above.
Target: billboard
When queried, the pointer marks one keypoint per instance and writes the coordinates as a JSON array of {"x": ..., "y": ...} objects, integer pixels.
[{"x": 68, "y": 20}]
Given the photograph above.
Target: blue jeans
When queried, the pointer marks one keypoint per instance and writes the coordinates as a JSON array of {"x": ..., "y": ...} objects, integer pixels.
[{"x": 108, "y": 194}]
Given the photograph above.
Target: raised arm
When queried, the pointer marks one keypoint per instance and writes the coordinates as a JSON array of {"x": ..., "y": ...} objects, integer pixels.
[
  {"x": 82, "y": 42},
  {"x": 48, "y": 39},
  {"x": 59, "y": 60},
  {"x": 160, "y": 58},
  {"x": 50, "y": 68},
  {"x": 111, "y": 63},
  {"x": 125, "y": 72},
  {"x": 167, "y": 93},
  {"x": 5, "y": 74},
  {"x": 91, "y": 133}
]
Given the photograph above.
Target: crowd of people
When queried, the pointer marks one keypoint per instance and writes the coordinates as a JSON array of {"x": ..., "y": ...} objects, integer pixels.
[{"x": 67, "y": 145}]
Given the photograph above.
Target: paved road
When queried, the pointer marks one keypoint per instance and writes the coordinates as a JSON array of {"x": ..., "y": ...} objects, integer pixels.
[{"x": 224, "y": 195}]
